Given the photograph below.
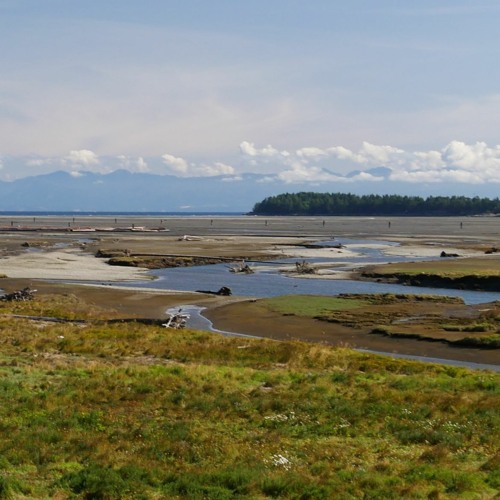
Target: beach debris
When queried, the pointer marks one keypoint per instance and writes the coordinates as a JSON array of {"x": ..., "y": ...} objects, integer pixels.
[
  {"x": 304, "y": 268},
  {"x": 19, "y": 295},
  {"x": 176, "y": 320},
  {"x": 186, "y": 237},
  {"x": 224, "y": 291},
  {"x": 445, "y": 254},
  {"x": 241, "y": 268},
  {"x": 492, "y": 250}
]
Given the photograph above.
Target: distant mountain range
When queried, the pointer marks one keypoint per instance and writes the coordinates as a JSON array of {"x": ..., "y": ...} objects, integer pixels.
[{"x": 125, "y": 191}]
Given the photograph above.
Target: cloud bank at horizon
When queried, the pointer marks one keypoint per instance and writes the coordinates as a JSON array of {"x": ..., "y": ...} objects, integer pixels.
[{"x": 456, "y": 162}]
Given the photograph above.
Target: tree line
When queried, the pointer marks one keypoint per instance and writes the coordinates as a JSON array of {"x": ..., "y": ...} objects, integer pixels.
[{"x": 308, "y": 203}]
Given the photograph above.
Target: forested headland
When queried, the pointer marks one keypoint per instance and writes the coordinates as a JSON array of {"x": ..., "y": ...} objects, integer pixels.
[{"x": 308, "y": 203}]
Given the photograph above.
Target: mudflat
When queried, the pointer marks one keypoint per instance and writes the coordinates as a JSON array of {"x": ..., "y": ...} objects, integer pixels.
[{"x": 57, "y": 255}]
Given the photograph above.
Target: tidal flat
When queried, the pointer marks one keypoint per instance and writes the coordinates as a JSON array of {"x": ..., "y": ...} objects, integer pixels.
[
  {"x": 97, "y": 406},
  {"x": 58, "y": 255}
]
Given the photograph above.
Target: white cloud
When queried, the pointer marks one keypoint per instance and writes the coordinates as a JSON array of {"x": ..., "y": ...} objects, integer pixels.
[
  {"x": 311, "y": 152},
  {"x": 176, "y": 164},
  {"x": 83, "y": 157},
  {"x": 249, "y": 149},
  {"x": 304, "y": 173},
  {"x": 365, "y": 176},
  {"x": 472, "y": 156},
  {"x": 179, "y": 166},
  {"x": 217, "y": 168},
  {"x": 426, "y": 160},
  {"x": 341, "y": 153},
  {"x": 142, "y": 166},
  {"x": 133, "y": 164},
  {"x": 380, "y": 155},
  {"x": 456, "y": 162}
]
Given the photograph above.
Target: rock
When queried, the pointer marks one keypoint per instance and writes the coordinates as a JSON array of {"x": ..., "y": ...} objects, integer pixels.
[{"x": 445, "y": 255}]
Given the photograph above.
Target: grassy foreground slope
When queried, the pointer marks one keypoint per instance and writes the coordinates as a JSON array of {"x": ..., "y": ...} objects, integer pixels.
[{"x": 126, "y": 410}]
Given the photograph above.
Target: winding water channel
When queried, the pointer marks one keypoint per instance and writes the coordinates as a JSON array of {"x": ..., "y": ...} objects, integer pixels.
[
  {"x": 267, "y": 281},
  {"x": 198, "y": 322}
]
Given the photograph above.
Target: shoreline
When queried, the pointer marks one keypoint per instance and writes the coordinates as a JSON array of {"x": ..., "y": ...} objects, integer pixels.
[{"x": 65, "y": 264}]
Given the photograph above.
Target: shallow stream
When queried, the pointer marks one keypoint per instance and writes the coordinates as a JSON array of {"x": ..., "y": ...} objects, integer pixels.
[{"x": 267, "y": 281}]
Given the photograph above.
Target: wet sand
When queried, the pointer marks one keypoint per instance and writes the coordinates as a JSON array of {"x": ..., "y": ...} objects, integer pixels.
[
  {"x": 475, "y": 228},
  {"x": 52, "y": 248}
]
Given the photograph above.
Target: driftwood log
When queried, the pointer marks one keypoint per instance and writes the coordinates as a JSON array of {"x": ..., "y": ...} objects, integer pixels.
[
  {"x": 224, "y": 291},
  {"x": 19, "y": 295}
]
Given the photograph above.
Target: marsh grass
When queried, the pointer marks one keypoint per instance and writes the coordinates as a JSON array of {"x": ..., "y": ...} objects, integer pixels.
[
  {"x": 422, "y": 317},
  {"x": 311, "y": 306},
  {"x": 138, "y": 411},
  {"x": 453, "y": 268}
]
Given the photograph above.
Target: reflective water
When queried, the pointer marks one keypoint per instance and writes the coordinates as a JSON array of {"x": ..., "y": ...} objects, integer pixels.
[{"x": 268, "y": 282}]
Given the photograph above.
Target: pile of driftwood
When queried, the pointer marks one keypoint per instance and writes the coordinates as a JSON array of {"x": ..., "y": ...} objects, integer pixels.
[
  {"x": 304, "y": 268},
  {"x": 177, "y": 320},
  {"x": 241, "y": 268},
  {"x": 19, "y": 295}
]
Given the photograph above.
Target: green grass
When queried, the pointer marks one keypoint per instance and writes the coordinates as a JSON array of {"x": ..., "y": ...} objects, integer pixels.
[
  {"x": 311, "y": 306},
  {"x": 448, "y": 268},
  {"x": 138, "y": 411}
]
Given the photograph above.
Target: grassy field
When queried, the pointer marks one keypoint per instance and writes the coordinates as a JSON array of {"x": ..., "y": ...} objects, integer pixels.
[{"x": 126, "y": 410}]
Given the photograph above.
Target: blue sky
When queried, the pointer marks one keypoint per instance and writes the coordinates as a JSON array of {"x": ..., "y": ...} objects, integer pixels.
[{"x": 302, "y": 91}]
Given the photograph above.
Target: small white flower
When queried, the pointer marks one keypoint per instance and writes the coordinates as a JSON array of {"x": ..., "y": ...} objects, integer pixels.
[{"x": 281, "y": 461}]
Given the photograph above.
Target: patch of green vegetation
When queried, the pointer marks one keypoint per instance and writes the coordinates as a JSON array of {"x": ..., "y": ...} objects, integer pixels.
[
  {"x": 62, "y": 306},
  {"x": 123, "y": 257},
  {"x": 401, "y": 298},
  {"x": 449, "y": 268},
  {"x": 469, "y": 274},
  {"x": 388, "y": 332},
  {"x": 472, "y": 327},
  {"x": 311, "y": 306},
  {"x": 396, "y": 315},
  {"x": 137, "y": 411},
  {"x": 486, "y": 341}
]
